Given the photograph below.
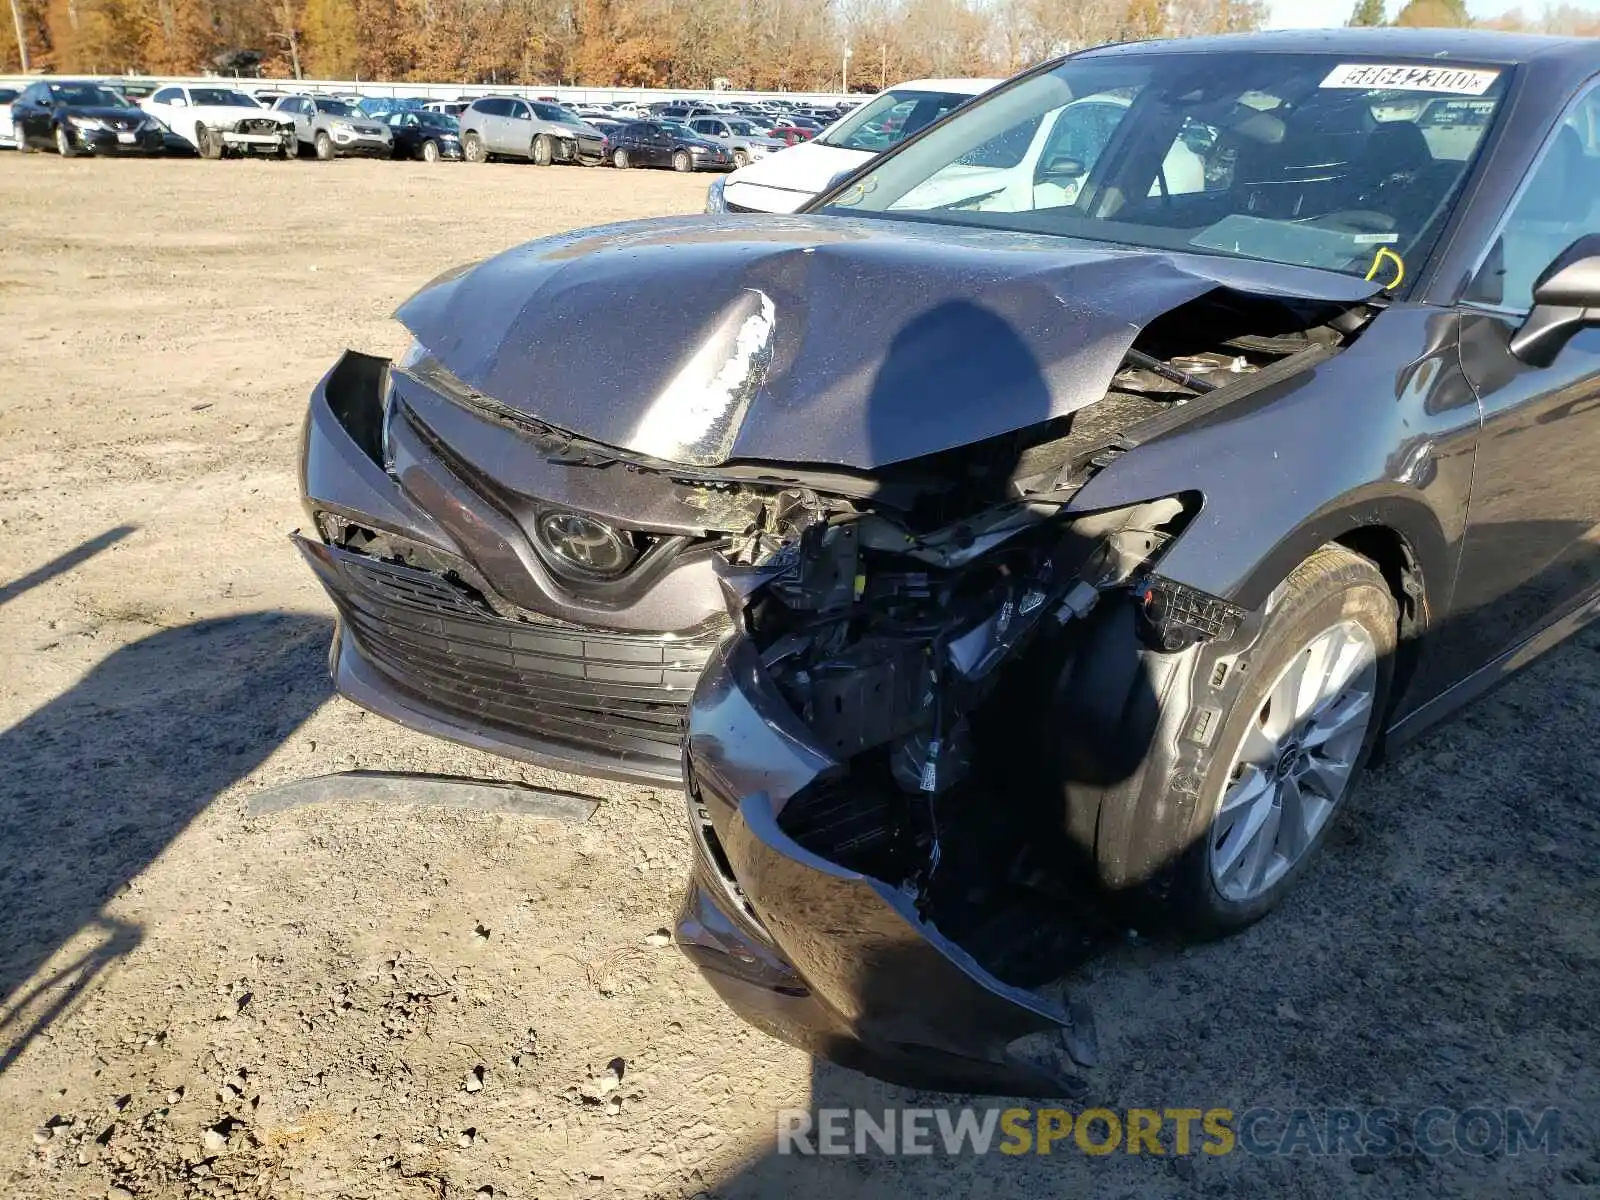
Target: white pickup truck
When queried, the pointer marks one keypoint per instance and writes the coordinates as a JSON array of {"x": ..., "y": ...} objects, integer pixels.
[{"x": 218, "y": 121}]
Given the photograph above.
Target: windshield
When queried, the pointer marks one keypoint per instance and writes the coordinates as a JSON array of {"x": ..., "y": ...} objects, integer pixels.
[
  {"x": 888, "y": 119},
  {"x": 222, "y": 97},
  {"x": 336, "y": 108},
  {"x": 554, "y": 112},
  {"x": 85, "y": 95},
  {"x": 1306, "y": 159},
  {"x": 426, "y": 120},
  {"x": 744, "y": 128}
]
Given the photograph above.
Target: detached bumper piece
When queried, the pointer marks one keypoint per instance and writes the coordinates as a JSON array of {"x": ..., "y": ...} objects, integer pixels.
[
  {"x": 420, "y": 650},
  {"x": 822, "y": 956}
]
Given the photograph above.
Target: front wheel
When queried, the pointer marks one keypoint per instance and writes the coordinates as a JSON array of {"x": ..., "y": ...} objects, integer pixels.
[
  {"x": 472, "y": 148},
  {"x": 207, "y": 143},
  {"x": 740, "y": 159},
  {"x": 1240, "y": 756},
  {"x": 64, "y": 146},
  {"x": 289, "y": 148},
  {"x": 542, "y": 151},
  {"x": 324, "y": 147},
  {"x": 619, "y": 159},
  {"x": 682, "y": 162},
  {"x": 430, "y": 151}
]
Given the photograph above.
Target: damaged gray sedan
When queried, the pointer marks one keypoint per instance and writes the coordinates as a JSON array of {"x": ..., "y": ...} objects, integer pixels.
[{"x": 1042, "y": 531}]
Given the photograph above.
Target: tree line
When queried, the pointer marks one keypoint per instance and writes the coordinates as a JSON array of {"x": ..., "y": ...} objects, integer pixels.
[{"x": 762, "y": 44}]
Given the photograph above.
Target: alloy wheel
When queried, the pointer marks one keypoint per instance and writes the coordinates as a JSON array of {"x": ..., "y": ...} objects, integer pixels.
[
  {"x": 1294, "y": 764},
  {"x": 472, "y": 148},
  {"x": 619, "y": 159},
  {"x": 430, "y": 151}
]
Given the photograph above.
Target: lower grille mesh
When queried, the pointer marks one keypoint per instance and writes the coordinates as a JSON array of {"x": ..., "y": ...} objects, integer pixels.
[{"x": 616, "y": 693}]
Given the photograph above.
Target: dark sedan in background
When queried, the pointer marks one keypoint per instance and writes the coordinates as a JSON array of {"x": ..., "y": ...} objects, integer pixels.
[
  {"x": 422, "y": 134},
  {"x": 665, "y": 144},
  {"x": 83, "y": 117},
  {"x": 1050, "y": 521}
]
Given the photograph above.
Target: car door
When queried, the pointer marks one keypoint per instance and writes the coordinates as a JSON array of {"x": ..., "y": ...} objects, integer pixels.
[
  {"x": 1531, "y": 552},
  {"x": 517, "y": 128},
  {"x": 662, "y": 145},
  {"x": 24, "y": 114}
]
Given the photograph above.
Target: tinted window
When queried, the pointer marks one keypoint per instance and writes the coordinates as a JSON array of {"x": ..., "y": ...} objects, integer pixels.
[
  {"x": 1557, "y": 206},
  {"x": 168, "y": 95},
  {"x": 222, "y": 97},
  {"x": 336, "y": 108},
  {"x": 85, "y": 95},
  {"x": 553, "y": 112},
  {"x": 889, "y": 119}
]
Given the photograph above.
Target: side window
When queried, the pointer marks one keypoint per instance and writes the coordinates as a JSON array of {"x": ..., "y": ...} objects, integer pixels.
[
  {"x": 167, "y": 95},
  {"x": 520, "y": 111},
  {"x": 1558, "y": 205}
]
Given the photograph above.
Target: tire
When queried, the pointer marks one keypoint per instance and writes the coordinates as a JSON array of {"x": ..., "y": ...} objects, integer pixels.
[
  {"x": 207, "y": 143},
  {"x": 619, "y": 159},
  {"x": 289, "y": 149},
  {"x": 430, "y": 151},
  {"x": 542, "y": 152},
  {"x": 64, "y": 146},
  {"x": 23, "y": 146},
  {"x": 1172, "y": 833},
  {"x": 681, "y": 161},
  {"x": 323, "y": 145},
  {"x": 472, "y": 148},
  {"x": 740, "y": 159}
]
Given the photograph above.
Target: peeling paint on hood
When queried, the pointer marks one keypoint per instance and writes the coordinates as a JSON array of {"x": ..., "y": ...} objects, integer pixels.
[{"x": 842, "y": 341}]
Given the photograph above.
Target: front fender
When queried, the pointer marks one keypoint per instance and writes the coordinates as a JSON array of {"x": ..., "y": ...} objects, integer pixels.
[{"x": 1384, "y": 433}]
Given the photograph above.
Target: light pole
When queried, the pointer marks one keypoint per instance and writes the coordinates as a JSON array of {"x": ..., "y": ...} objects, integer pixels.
[
  {"x": 22, "y": 36},
  {"x": 844, "y": 71}
]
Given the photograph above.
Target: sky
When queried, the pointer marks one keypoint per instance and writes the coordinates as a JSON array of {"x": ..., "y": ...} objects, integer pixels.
[{"x": 1312, "y": 14}]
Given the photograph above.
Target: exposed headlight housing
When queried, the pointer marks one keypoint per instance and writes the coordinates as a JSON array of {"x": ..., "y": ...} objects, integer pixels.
[
  {"x": 86, "y": 122},
  {"x": 714, "y": 200}
]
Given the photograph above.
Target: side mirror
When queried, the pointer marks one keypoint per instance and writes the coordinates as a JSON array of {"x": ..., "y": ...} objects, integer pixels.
[
  {"x": 1566, "y": 298},
  {"x": 178, "y": 102},
  {"x": 1063, "y": 164}
]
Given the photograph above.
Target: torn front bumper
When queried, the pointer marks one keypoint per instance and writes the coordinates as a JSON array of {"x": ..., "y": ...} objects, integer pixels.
[
  {"x": 418, "y": 646},
  {"x": 826, "y": 958}
]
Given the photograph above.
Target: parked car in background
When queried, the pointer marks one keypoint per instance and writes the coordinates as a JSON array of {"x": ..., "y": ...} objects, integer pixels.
[
  {"x": 539, "y": 131},
  {"x": 380, "y": 107},
  {"x": 666, "y": 144},
  {"x": 790, "y": 135},
  {"x": 83, "y": 117},
  {"x": 333, "y": 129},
  {"x": 7, "y": 95},
  {"x": 783, "y": 182},
  {"x": 214, "y": 121},
  {"x": 425, "y": 135},
  {"x": 744, "y": 138},
  {"x": 449, "y": 108}
]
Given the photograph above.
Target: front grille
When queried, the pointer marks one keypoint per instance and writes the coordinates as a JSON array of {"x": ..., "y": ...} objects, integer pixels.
[
  {"x": 614, "y": 693},
  {"x": 124, "y": 124},
  {"x": 257, "y": 125}
]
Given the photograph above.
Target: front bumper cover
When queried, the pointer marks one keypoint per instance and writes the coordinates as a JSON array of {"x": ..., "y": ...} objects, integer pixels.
[{"x": 826, "y": 958}]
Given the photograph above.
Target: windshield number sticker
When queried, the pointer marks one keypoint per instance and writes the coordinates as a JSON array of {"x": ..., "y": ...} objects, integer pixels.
[{"x": 1458, "y": 81}]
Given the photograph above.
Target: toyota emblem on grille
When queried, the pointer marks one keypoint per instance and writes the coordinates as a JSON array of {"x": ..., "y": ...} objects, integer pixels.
[{"x": 580, "y": 545}]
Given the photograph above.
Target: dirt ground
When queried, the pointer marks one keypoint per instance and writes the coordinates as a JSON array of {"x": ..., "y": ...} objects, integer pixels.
[{"x": 389, "y": 1000}]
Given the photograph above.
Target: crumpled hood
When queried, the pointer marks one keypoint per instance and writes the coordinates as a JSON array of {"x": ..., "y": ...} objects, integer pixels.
[{"x": 852, "y": 342}]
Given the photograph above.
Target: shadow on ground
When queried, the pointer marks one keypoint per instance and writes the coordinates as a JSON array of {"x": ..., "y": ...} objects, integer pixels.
[{"x": 99, "y": 781}]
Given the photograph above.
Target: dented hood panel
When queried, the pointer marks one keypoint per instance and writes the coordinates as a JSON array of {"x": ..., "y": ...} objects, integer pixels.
[{"x": 807, "y": 339}]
